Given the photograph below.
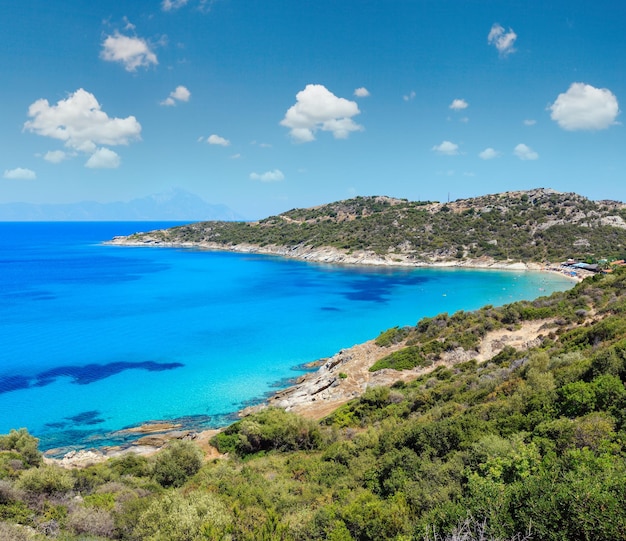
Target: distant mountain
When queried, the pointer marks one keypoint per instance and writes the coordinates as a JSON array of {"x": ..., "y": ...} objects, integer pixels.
[{"x": 175, "y": 205}]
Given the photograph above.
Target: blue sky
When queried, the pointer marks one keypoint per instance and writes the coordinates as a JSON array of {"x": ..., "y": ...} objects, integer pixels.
[{"x": 267, "y": 106}]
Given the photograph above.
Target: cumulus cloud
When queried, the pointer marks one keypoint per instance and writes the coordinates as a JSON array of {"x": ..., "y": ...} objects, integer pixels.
[
  {"x": 132, "y": 52},
  {"x": 502, "y": 40},
  {"x": 181, "y": 93},
  {"x": 169, "y": 5},
  {"x": 489, "y": 154},
  {"x": 55, "y": 156},
  {"x": 524, "y": 152},
  {"x": 458, "y": 105},
  {"x": 361, "y": 92},
  {"x": 529, "y": 122},
  {"x": 103, "y": 158},
  {"x": 409, "y": 96},
  {"x": 217, "y": 140},
  {"x": 317, "y": 108},
  {"x": 19, "y": 173},
  {"x": 81, "y": 123},
  {"x": 447, "y": 148},
  {"x": 269, "y": 176},
  {"x": 584, "y": 107}
]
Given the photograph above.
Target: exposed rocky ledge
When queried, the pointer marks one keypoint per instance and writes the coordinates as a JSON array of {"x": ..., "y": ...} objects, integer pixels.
[
  {"x": 346, "y": 375},
  {"x": 330, "y": 255}
]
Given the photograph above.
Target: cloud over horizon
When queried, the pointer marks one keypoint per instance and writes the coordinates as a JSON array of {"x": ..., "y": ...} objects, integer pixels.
[
  {"x": 269, "y": 176},
  {"x": 447, "y": 148},
  {"x": 489, "y": 154},
  {"x": 215, "y": 139},
  {"x": 317, "y": 108},
  {"x": 19, "y": 173},
  {"x": 584, "y": 107},
  {"x": 103, "y": 158},
  {"x": 361, "y": 92},
  {"x": 524, "y": 152},
  {"x": 55, "y": 156},
  {"x": 132, "y": 52}
]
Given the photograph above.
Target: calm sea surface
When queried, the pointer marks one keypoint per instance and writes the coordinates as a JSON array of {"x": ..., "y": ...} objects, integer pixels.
[{"x": 95, "y": 338}]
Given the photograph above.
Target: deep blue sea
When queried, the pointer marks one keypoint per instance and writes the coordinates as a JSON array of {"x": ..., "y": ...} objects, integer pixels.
[{"x": 95, "y": 338}]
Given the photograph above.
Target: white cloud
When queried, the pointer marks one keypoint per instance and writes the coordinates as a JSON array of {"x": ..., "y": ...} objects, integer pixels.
[
  {"x": 181, "y": 93},
  {"x": 584, "y": 107},
  {"x": 127, "y": 24},
  {"x": 489, "y": 154},
  {"x": 169, "y": 5},
  {"x": 217, "y": 140},
  {"x": 55, "y": 156},
  {"x": 503, "y": 41},
  {"x": 529, "y": 122},
  {"x": 317, "y": 108},
  {"x": 80, "y": 122},
  {"x": 524, "y": 152},
  {"x": 19, "y": 173},
  {"x": 133, "y": 52},
  {"x": 269, "y": 176},
  {"x": 235, "y": 156},
  {"x": 103, "y": 158},
  {"x": 409, "y": 96},
  {"x": 458, "y": 105},
  {"x": 447, "y": 148},
  {"x": 362, "y": 92}
]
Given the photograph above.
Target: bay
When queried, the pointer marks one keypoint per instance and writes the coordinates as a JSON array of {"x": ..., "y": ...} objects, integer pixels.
[{"x": 95, "y": 338}]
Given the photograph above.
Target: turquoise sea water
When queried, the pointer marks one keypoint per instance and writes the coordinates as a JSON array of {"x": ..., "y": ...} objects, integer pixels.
[{"x": 95, "y": 338}]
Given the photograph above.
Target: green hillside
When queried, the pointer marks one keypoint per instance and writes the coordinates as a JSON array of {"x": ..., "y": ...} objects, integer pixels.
[
  {"x": 535, "y": 225},
  {"x": 530, "y": 444}
]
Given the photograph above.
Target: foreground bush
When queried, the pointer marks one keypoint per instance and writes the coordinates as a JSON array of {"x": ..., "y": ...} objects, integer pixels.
[
  {"x": 177, "y": 463},
  {"x": 272, "y": 429}
]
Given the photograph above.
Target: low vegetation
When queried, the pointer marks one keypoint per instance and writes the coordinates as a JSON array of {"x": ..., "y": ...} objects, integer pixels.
[
  {"x": 535, "y": 225},
  {"x": 528, "y": 445}
]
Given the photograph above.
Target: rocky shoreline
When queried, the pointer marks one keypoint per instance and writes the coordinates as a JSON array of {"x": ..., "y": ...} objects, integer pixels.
[
  {"x": 340, "y": 378},
  {"x": 332, "y": 255}
]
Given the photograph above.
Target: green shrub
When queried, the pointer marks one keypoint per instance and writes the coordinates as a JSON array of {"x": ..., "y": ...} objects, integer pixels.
[
  {"x": 272, "y": 429},
  {"x": 404, "y": 359},
  {"x": 24, "y": 444},
  {"x": 175, "y": 464},
  {"x": 391, "y": 336},
  {"x": 191, "y": 517},
  {"x": 46, "y": 480}
]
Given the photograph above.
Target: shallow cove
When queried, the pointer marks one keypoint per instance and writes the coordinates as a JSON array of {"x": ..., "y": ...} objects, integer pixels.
[{"x": 96, "y": 338}]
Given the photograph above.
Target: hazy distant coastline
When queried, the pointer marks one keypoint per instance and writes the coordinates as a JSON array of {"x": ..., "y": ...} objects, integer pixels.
[{"x": 172, "y": 205}]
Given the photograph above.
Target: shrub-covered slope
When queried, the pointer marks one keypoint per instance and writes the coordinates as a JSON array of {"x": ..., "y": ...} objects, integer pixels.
[
  {"x": 528, "y": 445},
  {"x": 535, "y": 225}
]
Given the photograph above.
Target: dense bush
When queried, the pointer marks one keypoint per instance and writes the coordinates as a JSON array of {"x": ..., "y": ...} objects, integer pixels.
[
  {"x": 23, "y": 444},
  {"x": 271, "y": 429},
  {"x": 45, "y": 480},
  {"x": 174, "y": 465}
]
